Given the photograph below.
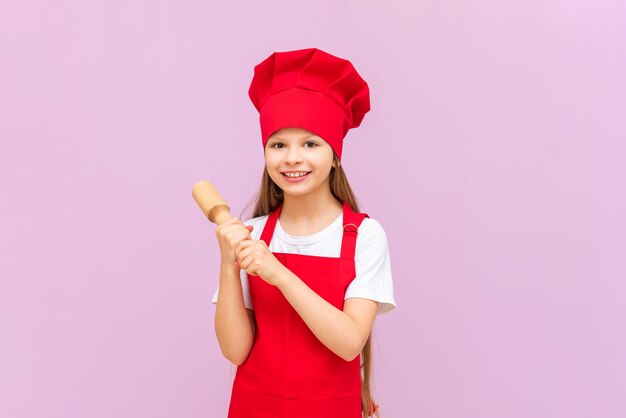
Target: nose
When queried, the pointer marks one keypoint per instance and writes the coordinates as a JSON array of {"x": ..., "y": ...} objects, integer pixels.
[{"x": 293, "y": 155}]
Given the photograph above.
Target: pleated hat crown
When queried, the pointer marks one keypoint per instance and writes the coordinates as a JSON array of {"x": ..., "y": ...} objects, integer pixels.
[{"x": 309, "y": 89}]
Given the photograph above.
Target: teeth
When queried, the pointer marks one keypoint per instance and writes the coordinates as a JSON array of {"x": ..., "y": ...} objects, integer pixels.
[{"x": 300, "y": 174}]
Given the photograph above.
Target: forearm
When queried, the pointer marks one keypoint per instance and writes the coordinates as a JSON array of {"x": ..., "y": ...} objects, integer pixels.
[
  {"x": 233, "y": 327},
  {"x": 335, "y": 329}
]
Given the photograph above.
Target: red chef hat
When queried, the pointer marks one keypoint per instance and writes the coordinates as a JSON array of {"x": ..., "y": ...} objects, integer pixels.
[{"x": 309, "y": 89}]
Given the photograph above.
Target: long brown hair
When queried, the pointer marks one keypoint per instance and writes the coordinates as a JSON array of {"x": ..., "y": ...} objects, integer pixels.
[{"x": 268, "y": 197}]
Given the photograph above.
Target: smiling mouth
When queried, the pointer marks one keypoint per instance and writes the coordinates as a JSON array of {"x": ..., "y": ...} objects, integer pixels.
[{"x": 306, "y": 173}]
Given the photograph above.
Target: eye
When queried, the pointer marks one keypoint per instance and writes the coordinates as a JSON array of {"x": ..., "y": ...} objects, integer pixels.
[{"x": 274, "y": 145}]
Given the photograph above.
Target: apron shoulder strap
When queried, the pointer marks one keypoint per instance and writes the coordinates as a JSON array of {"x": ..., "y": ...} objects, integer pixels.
[
  {"x": 270, "y": 224},
  {"x": 351, "y": 222}
]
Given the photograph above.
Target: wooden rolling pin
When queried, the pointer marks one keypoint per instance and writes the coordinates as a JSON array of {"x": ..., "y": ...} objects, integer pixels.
[{"x": 211, "y": 202}]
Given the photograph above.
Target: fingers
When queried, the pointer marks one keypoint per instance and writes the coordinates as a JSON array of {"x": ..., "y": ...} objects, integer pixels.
[
  {"x": 233, "y": 224},
  {"x": 241, "y": 246},
  {"x": 230, "y": 233},
  {"x": 246, "y": 262},
  {"x": 246, "y": 243},
  {"x": 229, "y": 224},
  {"x": 231, "y": 229},
  {"x": 248, "y": 251}
]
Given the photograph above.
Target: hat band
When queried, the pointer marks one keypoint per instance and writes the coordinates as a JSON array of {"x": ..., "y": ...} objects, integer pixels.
[{"x": 307, "y": 109}]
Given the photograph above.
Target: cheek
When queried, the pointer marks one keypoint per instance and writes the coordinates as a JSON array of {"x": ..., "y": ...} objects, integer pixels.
[
  {"x": 272, "y": 168},
  {"x": 270, "y": 162},
  {"x": 325, "y": 161}
]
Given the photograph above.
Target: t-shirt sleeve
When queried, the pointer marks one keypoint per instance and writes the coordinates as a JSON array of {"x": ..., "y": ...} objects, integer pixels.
[
  {"x": 373, "y": 267},
  {"x": 243, "y": 276}
]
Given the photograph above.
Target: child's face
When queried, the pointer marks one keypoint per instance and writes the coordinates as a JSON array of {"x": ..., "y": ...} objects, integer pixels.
[{"x": 296, "y": 149}]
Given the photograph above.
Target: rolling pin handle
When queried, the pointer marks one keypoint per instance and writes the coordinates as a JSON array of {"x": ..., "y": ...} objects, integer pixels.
[{"x": 219, "y": 214}]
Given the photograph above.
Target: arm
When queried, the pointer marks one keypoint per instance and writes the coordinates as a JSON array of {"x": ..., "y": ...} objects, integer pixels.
[
  {"x": 343, "y": 332},
  {"x": 234, "y": 324}
]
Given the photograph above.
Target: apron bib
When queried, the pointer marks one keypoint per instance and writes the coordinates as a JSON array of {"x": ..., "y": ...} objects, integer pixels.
[{"x": 289, "y": 373}]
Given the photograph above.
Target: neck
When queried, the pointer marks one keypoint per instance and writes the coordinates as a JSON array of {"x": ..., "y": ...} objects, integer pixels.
[{"x": 320, "y": 205}]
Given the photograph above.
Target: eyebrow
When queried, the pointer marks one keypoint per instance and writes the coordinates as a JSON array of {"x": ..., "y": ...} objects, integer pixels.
[{"x": 301, "y": 139}]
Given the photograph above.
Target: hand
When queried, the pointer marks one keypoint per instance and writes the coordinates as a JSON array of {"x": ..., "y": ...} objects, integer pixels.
[
  {"x": 256, "y": 258},
  {"x": 229, "y": 234}
]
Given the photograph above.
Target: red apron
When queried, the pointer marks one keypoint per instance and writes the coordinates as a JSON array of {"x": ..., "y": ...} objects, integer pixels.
[{"x": 289, "y": 372}]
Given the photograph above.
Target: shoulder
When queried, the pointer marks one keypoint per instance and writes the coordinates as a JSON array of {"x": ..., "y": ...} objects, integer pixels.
[{"x": 371, "y": 230}]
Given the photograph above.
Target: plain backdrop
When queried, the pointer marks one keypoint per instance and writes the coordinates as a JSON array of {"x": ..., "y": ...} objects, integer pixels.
[{"x": 493, "y": 156}]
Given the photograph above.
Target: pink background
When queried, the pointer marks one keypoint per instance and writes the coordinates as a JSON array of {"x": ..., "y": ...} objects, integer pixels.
[{"x": 493, "y": 156}]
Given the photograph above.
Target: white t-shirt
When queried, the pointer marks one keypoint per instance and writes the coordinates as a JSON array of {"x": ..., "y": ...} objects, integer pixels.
[{"x": 373, "y": 266}]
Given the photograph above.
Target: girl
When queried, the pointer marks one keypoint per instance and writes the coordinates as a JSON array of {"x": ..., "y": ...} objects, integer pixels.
[{"x": 302, "y": 281}]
